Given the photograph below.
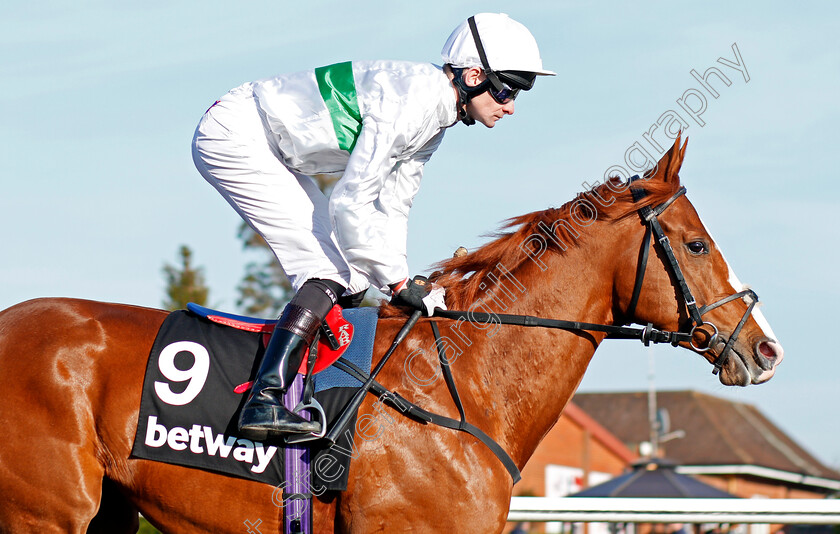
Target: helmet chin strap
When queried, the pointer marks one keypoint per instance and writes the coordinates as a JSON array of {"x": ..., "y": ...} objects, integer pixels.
[
  {"x": 465, "y": 117},
  {"x": 465, "y": 94}
]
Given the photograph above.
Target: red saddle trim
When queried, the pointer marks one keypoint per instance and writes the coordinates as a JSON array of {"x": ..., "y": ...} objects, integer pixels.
[
  {"x": 341, "y": 328},
  {"x": 242, "y": 325}
]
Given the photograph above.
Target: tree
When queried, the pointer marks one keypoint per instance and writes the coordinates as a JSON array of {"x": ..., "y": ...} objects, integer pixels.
[
  {"x": 264, "y": 289},
  {"x": 184, "y": 283}
]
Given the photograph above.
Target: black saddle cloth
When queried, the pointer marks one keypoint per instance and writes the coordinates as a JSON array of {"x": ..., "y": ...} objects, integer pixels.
[{"x": 188, "y": 410}]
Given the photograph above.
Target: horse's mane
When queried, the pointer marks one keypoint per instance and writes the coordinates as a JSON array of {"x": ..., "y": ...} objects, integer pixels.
[{"x": 464, "y": 276}]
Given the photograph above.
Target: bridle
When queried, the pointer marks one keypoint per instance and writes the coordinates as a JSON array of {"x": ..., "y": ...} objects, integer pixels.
[
  {"x": 653, "y": 228},
  {"x": 649, "y": 216}
]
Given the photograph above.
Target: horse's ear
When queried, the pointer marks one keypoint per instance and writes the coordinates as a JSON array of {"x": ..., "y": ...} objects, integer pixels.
[{"x": 668, "y": 167}]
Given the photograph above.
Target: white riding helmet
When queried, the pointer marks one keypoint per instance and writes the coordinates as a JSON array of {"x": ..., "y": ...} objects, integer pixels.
[{"x": 508, "y": 46}]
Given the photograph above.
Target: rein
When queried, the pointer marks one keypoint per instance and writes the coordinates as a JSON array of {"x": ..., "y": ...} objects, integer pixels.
[{"x": 647, "y": 334}]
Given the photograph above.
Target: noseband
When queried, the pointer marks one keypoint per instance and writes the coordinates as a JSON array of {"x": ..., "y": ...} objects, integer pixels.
[{"x": 653, "y": 228}]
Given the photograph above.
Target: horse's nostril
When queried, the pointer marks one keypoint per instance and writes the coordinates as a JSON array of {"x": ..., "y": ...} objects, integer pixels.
[
  {"x": 768, "y": 355},
  {"x": 766, "y": 350}
]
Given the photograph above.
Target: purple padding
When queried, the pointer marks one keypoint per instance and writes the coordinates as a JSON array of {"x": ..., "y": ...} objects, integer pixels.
[{"x": 298, "y": 474}]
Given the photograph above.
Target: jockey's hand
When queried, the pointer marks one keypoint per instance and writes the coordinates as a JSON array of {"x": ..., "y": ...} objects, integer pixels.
[{"x": 419, "y": 294}]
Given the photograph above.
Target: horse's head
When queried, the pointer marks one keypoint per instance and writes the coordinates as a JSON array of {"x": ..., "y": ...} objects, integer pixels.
[
  {"x": 726, "y": 327},
  {"x": 675, "y": 277}
]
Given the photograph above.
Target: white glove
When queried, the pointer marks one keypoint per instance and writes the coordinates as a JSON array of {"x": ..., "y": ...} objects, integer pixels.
[{"x": 435, "y": 299}]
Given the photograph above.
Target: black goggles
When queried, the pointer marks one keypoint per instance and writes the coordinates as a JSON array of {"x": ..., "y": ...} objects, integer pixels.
[
  {"x": 502, "y": 96},
  {"x": 505, "y": 95}
]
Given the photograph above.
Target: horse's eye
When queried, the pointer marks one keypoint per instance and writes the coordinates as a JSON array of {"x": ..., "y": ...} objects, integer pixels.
[{"x": 697, "y": 247}]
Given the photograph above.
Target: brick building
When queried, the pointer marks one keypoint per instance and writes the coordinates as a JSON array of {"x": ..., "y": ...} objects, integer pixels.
[
  {"x": 727, "y": 444},
  {"x": 577, "y": 449}
]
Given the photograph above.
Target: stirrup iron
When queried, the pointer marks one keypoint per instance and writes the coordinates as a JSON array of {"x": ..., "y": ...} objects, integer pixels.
[{"x": 313, "y": 404}]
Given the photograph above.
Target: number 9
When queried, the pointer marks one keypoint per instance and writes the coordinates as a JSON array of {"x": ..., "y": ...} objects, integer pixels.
[{"x": 196, "y": 374}]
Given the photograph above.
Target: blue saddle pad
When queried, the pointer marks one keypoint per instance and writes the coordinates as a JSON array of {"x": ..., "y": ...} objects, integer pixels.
[{"x": 359, "y": 352}]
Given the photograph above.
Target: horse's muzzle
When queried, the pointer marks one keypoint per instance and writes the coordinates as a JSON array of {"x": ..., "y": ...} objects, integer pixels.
[{"x": 750, "y": 364}]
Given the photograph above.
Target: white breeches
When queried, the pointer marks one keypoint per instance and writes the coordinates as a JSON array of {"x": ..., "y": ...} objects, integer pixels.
[{"x": 286, "y": 208}]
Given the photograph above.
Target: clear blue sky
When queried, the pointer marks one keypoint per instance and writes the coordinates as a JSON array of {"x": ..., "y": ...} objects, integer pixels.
[{"x": 99, "y": 101}]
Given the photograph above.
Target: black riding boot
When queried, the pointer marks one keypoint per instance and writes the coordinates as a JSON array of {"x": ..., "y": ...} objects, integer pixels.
[{"x": 264, "y": 415}]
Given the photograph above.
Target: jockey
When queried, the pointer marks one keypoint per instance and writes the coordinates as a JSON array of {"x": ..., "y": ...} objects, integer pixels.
[{"x": 373, "y": 124}]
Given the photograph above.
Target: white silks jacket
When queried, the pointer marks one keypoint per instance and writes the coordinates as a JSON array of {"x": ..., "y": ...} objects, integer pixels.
[{"x": 373, "y": 123}]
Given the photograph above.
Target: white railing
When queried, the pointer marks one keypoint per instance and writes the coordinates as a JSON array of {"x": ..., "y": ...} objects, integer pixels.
[{"x": 617, "y": 510}]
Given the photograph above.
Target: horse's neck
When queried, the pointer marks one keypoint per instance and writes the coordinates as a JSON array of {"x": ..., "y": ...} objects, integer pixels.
[{"x": 525, "y": 376}]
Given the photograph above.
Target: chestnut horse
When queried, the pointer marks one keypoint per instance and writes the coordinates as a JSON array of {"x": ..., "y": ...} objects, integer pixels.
[{"x": 71, "y": 373}]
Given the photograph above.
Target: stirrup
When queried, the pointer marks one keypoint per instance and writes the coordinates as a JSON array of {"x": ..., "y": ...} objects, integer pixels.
[{"x": 311, "y": 436}]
